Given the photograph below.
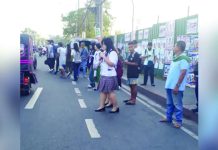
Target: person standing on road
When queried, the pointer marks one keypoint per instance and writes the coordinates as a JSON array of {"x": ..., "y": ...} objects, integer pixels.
[
  {"x": 133, "y": 68},
  {"x": 90, "y": 66},
  {"x": 175, "y": 84},
  {"x": 119, "y": 68},
  {"x": 68, "y": 61},
  {"x": 96, "y": 63},
  {"x": 50, "y": 55},
  {"x": 56, "y": 59},
  {"x": 84, "y": 56},
  {"x": 108, "y": 82},
  {"x": 149, "y": 58},
  {"x": 62, "y": 58},
  {"x": 76, "y": 60}
]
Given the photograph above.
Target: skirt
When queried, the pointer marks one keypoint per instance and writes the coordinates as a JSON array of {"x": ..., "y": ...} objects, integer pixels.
[{"x": 107, "y": 84}]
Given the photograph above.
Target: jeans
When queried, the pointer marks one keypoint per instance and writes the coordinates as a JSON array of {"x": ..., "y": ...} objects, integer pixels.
[
  {"x": 174, "y": 104},
  {"x": 91, "y": 77},
  {"x": 75, "y": 70},
  {"x": 148, "y": 70},
  {"x": 84, "y": 66}
]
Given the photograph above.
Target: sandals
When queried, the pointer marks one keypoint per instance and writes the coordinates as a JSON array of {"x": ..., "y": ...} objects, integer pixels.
[{"x": 177, "y": 125}]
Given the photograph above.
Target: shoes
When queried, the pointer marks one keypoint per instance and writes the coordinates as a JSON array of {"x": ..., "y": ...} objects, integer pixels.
[
  {"x": 153, "y": 85},
  {"x": 95, "y": 89},
  {"x": 130, "y": 103},
  {"x": 116, "y": 111},
  {"x": 89, "y": 86},
  {"x": 100, "y": 109},
  {"x": 177, "y": 125},
  {"x": 108, "y": 106},
  {"x": 125, "y": 101},
  {"x": 164, "y": 120},
  {"x": 143, "y": 84}
]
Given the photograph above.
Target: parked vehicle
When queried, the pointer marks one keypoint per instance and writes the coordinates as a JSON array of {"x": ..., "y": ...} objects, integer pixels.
[{"x": 27, "y": 77}]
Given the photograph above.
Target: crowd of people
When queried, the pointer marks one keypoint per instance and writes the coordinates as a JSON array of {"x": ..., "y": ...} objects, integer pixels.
[{"x": 104, "y": 65}]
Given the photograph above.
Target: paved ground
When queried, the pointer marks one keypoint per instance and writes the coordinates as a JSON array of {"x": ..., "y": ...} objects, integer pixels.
[
  {"x": 189, "y": 99},
  {"x": 54, "y": 117}
]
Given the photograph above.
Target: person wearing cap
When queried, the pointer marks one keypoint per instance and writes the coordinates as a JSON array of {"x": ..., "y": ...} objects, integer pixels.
[{"x": 149, "y": 58}]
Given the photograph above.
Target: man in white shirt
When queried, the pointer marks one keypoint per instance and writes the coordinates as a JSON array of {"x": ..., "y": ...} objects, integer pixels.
[
  {"x": 149, "y": 58},
  {"x": 175, "y": 84}
]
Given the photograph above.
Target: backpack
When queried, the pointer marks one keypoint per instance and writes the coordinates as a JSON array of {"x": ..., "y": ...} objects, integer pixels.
[{"x": 119, "y": 66}]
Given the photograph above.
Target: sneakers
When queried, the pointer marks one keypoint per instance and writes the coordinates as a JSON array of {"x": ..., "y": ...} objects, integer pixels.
[{"x": 89, "y": 86}]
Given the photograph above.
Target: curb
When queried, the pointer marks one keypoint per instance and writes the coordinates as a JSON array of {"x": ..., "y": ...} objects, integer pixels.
[{"x": 188, "y": 114}]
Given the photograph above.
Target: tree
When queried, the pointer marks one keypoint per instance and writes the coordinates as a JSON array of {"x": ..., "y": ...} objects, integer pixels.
[{"x": 78, "y": 21}]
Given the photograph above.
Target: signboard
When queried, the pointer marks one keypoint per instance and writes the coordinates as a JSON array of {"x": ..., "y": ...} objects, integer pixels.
[
  {"x": 192, "y": 26},
  {"x": 162, "y": 31},
  {"x": 146, "y": 32},
  {"x": 97, "y": 32}
]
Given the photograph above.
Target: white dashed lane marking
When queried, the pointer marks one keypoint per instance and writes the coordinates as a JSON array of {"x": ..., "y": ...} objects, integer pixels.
[
  {"x": 34, "y": 98},
  {"x": 82, "y": 103},
  {"x": 92, "y": 129}
]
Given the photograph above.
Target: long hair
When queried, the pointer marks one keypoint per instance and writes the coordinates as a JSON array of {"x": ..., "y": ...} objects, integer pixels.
[
  {"x": 109, "y": 43},
  {"x": 76, "y": 47}
]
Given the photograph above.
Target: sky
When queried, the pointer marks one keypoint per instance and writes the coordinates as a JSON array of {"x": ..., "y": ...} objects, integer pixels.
[{"x": 44, "y": 16}]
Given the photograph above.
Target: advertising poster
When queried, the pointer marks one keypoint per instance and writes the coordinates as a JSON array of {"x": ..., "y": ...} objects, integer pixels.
[
  {"x": 154, "y": 43},
  {"x": 140, "y": 35},
  {"x": 168, "y": 56},
  {"x": 127, "y": 37},
  {"x": 192, "y": 26},
  {"x": 166, "y": 69},
  {"x": 170, "y": 28},
  {"x": 190, "y": 80},
  {"x": 161, "y": 58},
  {"x": 162, "y": 31},
  {"x": 146, "y": 32},
  {"x": 144, "y": 45}
]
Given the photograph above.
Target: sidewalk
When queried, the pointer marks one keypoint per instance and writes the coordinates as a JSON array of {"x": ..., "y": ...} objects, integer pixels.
[{"x": 158, "y": 94}]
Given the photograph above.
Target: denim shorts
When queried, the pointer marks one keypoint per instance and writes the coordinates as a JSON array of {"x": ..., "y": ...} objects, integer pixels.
[{"x": 132, "y": 81}]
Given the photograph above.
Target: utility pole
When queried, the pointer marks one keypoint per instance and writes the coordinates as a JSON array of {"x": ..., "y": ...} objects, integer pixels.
[
  {"x": 99, "y": 16},
  {"x": 188, "y": 10},
  {"x": 132, "y": 19},
  {"x": 77, "y": 23}
]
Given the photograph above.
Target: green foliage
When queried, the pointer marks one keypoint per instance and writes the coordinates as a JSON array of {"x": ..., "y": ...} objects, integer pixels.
[{"x": 75, "y": 19}]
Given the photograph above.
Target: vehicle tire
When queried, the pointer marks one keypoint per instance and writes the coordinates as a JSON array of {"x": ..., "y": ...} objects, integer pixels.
[{"x": 28, "y": 90}]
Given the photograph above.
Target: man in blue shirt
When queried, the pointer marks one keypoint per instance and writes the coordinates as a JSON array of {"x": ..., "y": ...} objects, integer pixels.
[
  {"x": 84, "y": 56},
  {"x": 175, "y": 84}
]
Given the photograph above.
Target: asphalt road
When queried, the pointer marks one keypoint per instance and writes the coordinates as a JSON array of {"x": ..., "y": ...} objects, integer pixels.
[{"x": 63, "y": 118}]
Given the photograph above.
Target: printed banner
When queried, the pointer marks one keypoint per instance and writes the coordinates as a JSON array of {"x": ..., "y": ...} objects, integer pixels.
[
  {"x": 127, "y": 37},
  {"x": 192, "y": 26},
  {"x": 162, "y": 31},
  {"x": 140, "y": 34},
  {"x": 146, "y": 32}
]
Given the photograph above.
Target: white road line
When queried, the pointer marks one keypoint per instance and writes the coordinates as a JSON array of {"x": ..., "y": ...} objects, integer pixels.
[
  {"x": 73, "y": 82},
  {"x": 34, "y": 98},
  {"x": 193, "y": 135},
  {"x": 92, "y": 129},
  {"x": 82, "y": 103},
  {"x": 77, "y": 91}
]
